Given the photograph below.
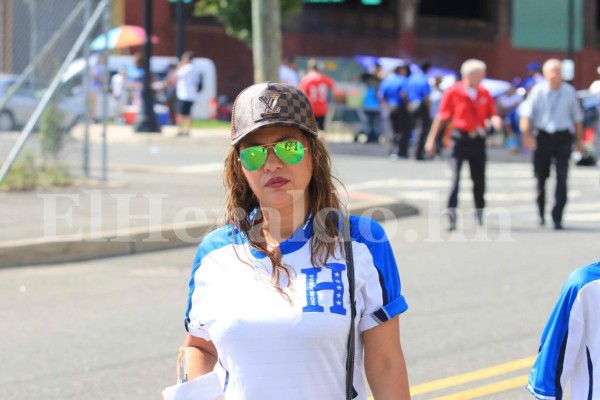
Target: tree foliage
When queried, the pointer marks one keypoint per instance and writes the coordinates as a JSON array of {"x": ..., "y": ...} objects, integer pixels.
[{"x": 236, "y": 15}]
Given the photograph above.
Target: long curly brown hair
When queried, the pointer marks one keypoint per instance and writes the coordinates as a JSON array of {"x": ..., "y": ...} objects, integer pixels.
[{"x": 324, "y": 205}]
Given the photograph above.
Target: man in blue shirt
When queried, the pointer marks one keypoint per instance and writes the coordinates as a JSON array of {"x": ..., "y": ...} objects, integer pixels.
[
  {"x": 391, "y": 93},
  {"x": 417, "y": 92}
]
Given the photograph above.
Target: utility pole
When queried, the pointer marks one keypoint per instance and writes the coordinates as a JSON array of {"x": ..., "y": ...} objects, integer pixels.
[
  {"x": 570, "y": 29},
  {"x": 180, "y": 26},
  {"x": 266, "y": 39},
  {"x": 147, "y": 118}
]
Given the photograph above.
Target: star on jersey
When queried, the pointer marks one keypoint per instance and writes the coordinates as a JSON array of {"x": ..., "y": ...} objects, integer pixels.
[{"x": 313, "y": 286}]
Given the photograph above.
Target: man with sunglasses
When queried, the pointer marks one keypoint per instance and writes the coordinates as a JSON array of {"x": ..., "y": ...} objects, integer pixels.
[{"x": 269, "y": 307}]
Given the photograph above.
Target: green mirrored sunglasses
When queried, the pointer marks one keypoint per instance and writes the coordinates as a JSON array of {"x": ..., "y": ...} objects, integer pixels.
[{"x": 289, "y": 151}]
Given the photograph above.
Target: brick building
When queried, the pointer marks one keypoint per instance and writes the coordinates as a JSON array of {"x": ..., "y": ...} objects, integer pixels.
[{"x": 506, "y": 34}]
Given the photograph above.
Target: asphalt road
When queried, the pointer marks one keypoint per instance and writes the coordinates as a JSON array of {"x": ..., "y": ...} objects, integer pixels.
[{"x": 478, "y": 298}]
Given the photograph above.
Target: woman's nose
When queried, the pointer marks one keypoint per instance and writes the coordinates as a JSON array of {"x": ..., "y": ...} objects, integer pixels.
[{"x": 273, "y": 162}]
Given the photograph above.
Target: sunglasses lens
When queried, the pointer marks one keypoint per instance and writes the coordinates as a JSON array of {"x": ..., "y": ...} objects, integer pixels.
[
  {"x": 253, "y": 158},
  {"x": 290, "y": 152}
]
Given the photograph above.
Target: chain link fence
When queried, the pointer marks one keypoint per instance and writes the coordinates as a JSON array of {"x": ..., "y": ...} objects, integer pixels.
[{"x": 46, "y": 86}]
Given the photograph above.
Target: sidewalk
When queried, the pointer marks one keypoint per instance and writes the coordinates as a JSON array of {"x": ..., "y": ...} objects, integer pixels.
[{"x": 163, "y": 192}]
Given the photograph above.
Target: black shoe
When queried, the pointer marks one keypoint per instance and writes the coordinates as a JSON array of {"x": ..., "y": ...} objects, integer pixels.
[
  {"x": 452, "y": 226},
  {"x": 558, "y": 226},
  {"x": 479, "y": 215},
  {"x": 451, "y": 221},
  {"x": 542, "y": 221}
]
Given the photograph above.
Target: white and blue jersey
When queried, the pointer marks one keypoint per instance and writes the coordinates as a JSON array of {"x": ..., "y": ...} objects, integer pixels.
[
  {"x": 275, "y": 348},
  {"x": 570, "y": 348}
]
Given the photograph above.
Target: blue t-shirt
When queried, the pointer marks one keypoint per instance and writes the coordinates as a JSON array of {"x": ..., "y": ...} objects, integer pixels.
[
  {"x": 417, "y": 87},
  {"x": 271, "y": 347},
  {"x": 391, "y": 88}
]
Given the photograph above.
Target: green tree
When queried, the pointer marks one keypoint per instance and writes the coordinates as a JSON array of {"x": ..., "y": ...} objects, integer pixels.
[{"x": 236, "y": 15}]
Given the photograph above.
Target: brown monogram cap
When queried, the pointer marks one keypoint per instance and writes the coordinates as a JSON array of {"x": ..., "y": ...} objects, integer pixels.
[{"x": 271, "y": 104}]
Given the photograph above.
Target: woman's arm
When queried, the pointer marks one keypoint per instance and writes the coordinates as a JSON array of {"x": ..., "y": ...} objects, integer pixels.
[
  {"x": 201, "y": 356},
  {"x": 384, "y": 362}
]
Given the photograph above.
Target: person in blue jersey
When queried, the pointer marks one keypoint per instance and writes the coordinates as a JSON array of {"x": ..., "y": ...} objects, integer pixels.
[
  {"x": 392, "y": 94},
  {"x": 268, "y": 306},
  {"x": 570, "y": 346},
  {"x": 417, "y": 93}
]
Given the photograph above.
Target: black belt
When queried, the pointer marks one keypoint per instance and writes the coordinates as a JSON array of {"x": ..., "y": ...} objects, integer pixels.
[
  {"x": 561, "y": 132},
  {"x": 474, "y": 134}
]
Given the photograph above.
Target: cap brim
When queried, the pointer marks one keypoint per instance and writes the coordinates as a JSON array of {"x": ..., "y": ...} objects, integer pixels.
[{"x": 266, "y": 124}]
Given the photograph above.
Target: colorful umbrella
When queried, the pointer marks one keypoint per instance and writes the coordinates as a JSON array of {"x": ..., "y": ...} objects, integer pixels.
[{"x": 122, "y": 36}]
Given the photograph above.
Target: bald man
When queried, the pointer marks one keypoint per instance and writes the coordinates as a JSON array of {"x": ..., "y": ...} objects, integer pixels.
[{"x": 551, "y": 120}]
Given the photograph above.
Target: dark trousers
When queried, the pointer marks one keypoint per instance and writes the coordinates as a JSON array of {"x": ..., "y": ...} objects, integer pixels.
[
  {"x": 373, "y": 125},
  {"x": 552, "y": 147},
  {"x": 400, "y": 121},
  {"x": 420, "y": 117},
  {"x": 473, "y": 151}
]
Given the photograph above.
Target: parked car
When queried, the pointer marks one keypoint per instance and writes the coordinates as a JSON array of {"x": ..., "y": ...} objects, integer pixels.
[{"x": 23, "y": 103}]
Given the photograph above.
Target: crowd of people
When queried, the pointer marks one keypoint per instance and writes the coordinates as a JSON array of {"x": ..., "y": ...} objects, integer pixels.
[{"x": 176, "y": 88}]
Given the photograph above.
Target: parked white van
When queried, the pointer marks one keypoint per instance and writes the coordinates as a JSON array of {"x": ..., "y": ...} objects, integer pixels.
[{"x": 205, "y": 102}]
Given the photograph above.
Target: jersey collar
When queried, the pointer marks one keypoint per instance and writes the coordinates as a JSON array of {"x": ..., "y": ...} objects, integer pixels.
[{"x": 293, "y": 243}]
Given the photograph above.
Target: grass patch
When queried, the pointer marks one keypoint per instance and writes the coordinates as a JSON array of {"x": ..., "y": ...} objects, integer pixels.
[
  {"x": 26, "y": 175},
  {"x": 211, "y": 124}
]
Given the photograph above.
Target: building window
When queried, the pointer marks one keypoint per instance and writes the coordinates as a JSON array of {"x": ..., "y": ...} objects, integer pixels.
[{"x": 463, "y": 9}]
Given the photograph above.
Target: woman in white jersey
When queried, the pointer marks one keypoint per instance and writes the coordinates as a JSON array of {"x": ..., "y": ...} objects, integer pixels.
[{"x": 269, "y": 306}]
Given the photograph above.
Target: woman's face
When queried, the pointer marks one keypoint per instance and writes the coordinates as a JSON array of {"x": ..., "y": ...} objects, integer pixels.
[{"x": 277, "y": 184}]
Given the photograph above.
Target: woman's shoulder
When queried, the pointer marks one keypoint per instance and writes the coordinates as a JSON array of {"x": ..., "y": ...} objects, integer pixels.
[
  {"x": 366, "y": 230},
  {"x": 218, "y": 238}
]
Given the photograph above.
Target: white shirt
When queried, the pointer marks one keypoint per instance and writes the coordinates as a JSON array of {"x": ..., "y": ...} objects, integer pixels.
[
  {"x": 270, "y": 348},
  {"x": 288, "y": 75},
  {"x": 552, "y": 110},
  {"x": 187, "y": 83},
  {"x": 117, "y": 84}
]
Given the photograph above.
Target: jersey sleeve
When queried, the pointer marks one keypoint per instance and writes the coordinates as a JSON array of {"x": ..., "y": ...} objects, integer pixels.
[
  {"x": 193, "y": 314},
  {"x": 559, "y": 348},
  {"x": 377, "y": 276},
  {"x": 202, "y": 285}
]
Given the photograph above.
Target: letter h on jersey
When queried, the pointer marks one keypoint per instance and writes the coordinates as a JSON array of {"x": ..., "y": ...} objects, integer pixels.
[{"x": 313, "y": 286}]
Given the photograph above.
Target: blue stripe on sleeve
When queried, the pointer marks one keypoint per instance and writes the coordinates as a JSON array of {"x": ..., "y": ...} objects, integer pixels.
[
  {"x": 370, "y": 233},
  {"x": 545, "y": 376}
]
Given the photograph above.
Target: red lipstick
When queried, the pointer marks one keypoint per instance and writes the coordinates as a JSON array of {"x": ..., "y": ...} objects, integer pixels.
[{"x": 277, "y": 182}]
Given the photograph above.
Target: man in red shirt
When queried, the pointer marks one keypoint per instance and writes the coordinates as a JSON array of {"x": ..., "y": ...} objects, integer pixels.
[
  {"x": 317, "y": 86},
  {"x": 467, "y": 106}
]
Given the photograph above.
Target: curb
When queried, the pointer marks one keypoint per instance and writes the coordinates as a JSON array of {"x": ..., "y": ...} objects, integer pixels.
[{"x": 38, "y": 251}]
